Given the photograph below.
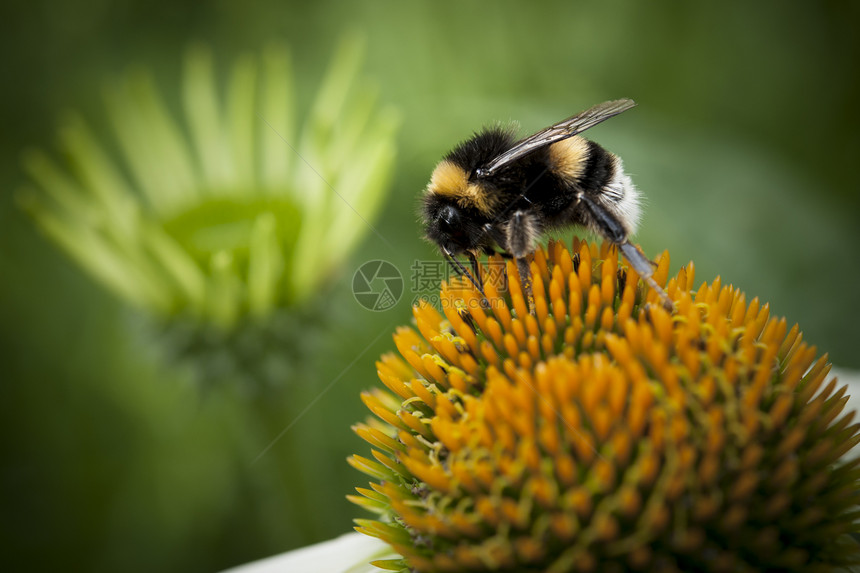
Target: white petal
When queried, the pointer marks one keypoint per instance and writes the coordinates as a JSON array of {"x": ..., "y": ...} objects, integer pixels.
[{"x": 349, "y": 553}]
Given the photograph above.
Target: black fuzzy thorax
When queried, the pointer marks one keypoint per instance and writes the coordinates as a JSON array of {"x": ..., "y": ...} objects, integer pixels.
[
  {"x": 526, "y": 183},
  {"x": 532, "y": 183},
  {"x": 481, "y": 148}
]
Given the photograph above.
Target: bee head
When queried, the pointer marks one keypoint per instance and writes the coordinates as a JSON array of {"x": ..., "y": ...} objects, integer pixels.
[{"x": 452, "y": 227}]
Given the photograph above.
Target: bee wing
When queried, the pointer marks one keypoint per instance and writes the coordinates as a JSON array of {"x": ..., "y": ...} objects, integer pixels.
[{"x": 559, "y": 131}]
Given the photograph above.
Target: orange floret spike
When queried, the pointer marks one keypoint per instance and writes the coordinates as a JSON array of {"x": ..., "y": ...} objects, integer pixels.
[
  {"x": 493, "y": 330},
  {"x": 584, "y": 272},
  {"x": 393, "y": 382},
  {"x": 411, "y": 348},
  {"x": 791, "y": 341},
  {"x": 661, "y": 273},
  {"x": 557, "y": 284},
  {"x": 467, "y": 334},
  {"x": 593, "y": 309}
]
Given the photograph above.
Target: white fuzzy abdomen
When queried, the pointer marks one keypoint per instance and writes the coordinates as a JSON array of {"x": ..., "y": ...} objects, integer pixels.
[{"x": 621, "y": 198}]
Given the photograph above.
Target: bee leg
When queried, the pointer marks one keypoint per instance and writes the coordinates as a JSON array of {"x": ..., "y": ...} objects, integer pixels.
[
  {"x": 476, "y": 270},
  {"x": 479, "y": 279},
  {"x": 611, "y": 228},
  {"x": 526, "y": 282},
  {"x": 645, "y": 268},
  {"x": 522, "y": 232}
]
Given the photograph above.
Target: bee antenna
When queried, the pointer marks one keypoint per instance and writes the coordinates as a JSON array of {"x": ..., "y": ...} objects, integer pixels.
[{"x": 476, "y": 269}]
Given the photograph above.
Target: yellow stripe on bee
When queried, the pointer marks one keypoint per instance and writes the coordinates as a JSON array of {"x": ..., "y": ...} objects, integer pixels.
[
  {"x": 448, "y": 180},
  {"x": 569, "y": 156},
  {"x": 451, "y": 180}
]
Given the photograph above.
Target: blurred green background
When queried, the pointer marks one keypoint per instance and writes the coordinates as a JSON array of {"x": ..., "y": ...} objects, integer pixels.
[{"x": 744, "y": 143}]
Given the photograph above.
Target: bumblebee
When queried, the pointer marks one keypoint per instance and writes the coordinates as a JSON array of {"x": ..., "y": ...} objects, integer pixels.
[{"x": 492, "y": 191}]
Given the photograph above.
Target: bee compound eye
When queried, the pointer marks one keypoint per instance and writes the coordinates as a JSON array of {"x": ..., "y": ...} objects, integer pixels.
[{"x": 449, "y": 215}]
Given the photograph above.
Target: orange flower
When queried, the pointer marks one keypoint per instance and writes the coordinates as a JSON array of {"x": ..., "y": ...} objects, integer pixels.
[{"x": 605, "y": 432}]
